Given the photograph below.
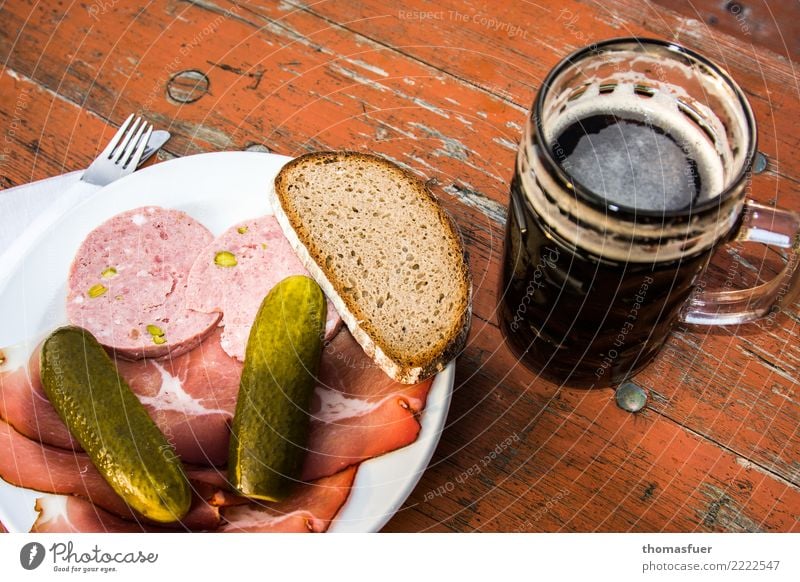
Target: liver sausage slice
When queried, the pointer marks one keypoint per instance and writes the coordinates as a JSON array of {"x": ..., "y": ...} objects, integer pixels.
[
  {"x": 236, "y": 271},
  {"x": 127, "y": 284}
]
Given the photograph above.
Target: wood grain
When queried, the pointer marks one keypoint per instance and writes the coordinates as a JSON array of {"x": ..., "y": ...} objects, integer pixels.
[
  {"x": 717, "y": 448},
  {"x": 31, "y": 148},
  {"x": 773, "y": 25}
]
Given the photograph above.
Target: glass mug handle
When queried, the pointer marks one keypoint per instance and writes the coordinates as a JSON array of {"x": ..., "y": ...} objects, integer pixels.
[{"x": 770, "y": 226}]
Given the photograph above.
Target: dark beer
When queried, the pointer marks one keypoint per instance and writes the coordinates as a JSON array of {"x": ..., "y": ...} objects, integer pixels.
[
  {"x": 586, "y": 319},
  {"x": 633, "y": 169},
  {"x": 630, "y": 162},
  {"x": 580, "y": 319}
]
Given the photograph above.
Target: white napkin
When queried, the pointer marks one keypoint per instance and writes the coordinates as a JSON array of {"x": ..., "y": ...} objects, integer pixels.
[{"x": 29, "y": 210}]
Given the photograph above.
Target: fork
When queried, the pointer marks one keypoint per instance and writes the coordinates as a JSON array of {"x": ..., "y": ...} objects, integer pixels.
[{"x": 122, "y": 154}]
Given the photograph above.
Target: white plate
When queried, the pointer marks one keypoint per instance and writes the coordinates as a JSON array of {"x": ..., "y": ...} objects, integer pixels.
[{"x": 218, "y": 189}]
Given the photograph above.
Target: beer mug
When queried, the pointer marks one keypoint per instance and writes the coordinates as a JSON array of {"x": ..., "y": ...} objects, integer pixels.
[{"x": 633, "y": 169}]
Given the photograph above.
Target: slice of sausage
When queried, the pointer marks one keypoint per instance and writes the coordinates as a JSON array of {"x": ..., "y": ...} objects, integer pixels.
[
  {"x": 127, "y": 284},
  {"x": 235, "y": 272}
]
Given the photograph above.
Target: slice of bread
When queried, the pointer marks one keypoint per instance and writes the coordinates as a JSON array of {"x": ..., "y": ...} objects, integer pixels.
[{"x": 385, "y": 252}]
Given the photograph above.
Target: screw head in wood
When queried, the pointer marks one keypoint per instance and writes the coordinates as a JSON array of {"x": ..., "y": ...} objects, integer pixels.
[
  {"x": 760, "y": 163},
  {"x": 257, "y": 147},
  {"x": 631, "y": 397}
]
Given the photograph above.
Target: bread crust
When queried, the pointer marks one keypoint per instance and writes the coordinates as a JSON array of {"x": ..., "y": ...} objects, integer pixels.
[{"x": 405, "y": 370}]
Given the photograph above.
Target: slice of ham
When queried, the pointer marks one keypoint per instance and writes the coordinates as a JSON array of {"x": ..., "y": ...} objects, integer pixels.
[
  {"x": 310, "y": 508},
  {"x": 127, "y": 283},
  {"x": 62, "y": 514},
  {"x": 29, "y": 464},
  {"x": 23, "y": 403},
  {"x": 257, "y": 257},
  {"x": 357, "y": 411},
  {"x": 191, "y": 398}
]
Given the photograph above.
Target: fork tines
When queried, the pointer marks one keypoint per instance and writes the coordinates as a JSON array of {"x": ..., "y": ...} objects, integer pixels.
[
  {"x": 122, "y": 154},
  {"x": 128, "y": 145}
]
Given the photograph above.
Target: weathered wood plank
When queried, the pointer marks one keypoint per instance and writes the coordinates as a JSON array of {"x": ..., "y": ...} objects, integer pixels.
[
  {"x": 579, "y": 441},
  {"x": 412, "y": 519},
  {"x": 508, "y": 47},
  {"x": 636, "y": 473},
  {"x": 773, "y": 25},
  {"x": 44, "y": 135}
]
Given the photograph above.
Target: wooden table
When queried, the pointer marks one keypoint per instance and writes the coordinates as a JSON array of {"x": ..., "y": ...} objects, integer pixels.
[{"x": 442, "y": 88}]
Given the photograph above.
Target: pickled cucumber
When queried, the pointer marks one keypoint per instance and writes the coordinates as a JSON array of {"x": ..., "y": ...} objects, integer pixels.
[
  {"x": 112, "y": 426},
  {"x": 270, "y": 427}
]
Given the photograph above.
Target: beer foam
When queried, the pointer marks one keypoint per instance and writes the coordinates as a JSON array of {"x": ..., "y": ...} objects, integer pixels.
[{"x": 661, "y": 110}]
